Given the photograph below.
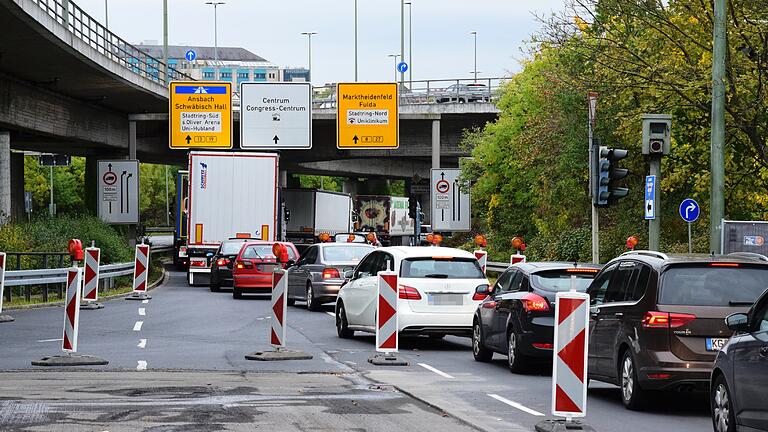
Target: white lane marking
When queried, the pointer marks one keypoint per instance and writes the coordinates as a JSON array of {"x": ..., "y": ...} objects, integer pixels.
[
  {"x": 513, "y": 404},
  {"x": 331, "y": 314},
  {"x": 142, "y": 343},
  {"x": 50, "y": 340},
  {"x": 142, "y": 311},
  {"x": 437, "y": 371},
  {"x": 137, "y": 326},
  {"x": 142, "y": 365},
  {"x": 145, "y": 301}
]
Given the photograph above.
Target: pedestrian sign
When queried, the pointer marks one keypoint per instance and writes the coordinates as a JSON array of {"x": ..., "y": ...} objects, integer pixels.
[
  {"x": 650, "y": 197},
  {"x": 689, "y": 210},
  {"x": 200, "y": 115},
  {"x": 367, "y": 115}
]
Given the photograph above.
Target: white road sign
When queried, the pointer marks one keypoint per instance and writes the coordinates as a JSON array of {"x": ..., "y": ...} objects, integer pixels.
[
  {"x": 450, "y": 203},
  {"x": 118, "y": 192},
  {"x": 275, "y": 115}
]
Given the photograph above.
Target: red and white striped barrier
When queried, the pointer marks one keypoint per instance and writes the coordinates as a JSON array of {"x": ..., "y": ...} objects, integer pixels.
[
  {"x": 482, "y": 258},
  {"x": 141, "y": 269},
  {"x": 516, "y": 258},
  {"x": 91, "y": 279},
  {"x": 569, "y": 375},
  {"x": 72, "y": 310},
  {"x": 279, "y": 308},
  {"x": 386, "y": 313}
]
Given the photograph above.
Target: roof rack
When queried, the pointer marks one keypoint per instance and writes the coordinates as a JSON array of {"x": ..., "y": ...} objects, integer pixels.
[
  {"x": 752, "y": 255},
  {"x": 649, "y": 253}
]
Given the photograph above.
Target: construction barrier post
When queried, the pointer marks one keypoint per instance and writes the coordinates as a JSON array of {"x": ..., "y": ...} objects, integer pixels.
[
  {"x": 482, "y": 259},
  {"x": 3, "y": 318},
  {"x": 140, "y": 273},
  {"x": 91, "y": 279},
  {"x": 386, "y": 321}
]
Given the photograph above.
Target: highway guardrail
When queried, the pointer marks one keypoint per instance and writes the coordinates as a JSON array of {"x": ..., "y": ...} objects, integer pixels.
[{"x": 497, "y": 267}]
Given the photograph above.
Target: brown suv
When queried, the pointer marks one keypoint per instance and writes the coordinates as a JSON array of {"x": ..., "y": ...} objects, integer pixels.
[{"x": 657, "y": 322}]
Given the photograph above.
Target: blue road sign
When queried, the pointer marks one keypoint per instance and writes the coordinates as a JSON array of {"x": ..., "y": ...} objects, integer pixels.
[
  {"x": 689, "y": 210},
  {"x": 402, "y": 67},
  {"x": 190, "y": 55},
  {"x": 650, "y": 197}
]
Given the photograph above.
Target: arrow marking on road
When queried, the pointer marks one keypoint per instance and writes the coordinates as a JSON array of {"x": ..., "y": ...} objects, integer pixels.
[
  {"x": 513, "y": 404},
  {"x": 142, "y": 343},
  {"x": 137, "y": 326},
  {"x": 142, "y": 365}
]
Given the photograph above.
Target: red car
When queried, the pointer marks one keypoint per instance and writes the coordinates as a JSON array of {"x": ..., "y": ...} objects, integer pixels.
[{"x": 252, "y": 272}]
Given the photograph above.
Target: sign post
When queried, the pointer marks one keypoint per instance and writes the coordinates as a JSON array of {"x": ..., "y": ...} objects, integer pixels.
[
  {"x": 689, "y": 211},
  {"x": 3, "y": 318},
  {"x": 118, "y": 191},
  {"x": 450, "y": 205},
  {"x": 367, "y": 116},
  {"x": 276, "y": 115},
  {"x": 200, "y": 115}
]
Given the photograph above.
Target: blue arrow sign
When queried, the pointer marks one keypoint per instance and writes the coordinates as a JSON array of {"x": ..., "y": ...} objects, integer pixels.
[
  {"x": 402, "y": 67},
  {"x": 190, "y": 55},
  {"x": 649, "y": 207},
  {"x": 689, "y": 210}
]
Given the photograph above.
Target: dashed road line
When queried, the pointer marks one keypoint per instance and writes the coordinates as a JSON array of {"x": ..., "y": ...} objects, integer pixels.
[
  {"x": 142, "y": 343},
  {"x": 437, "y": 371},
  {"x": 142, "y": 311},
  {"x": 331, "y": 314},
  {"x": 145, "y": 301},
  {"x": 137, "y": 326},
  {"x": 50, "y": 340},
  {"x": 514, "y": 404},
  {"x": 142, "y": 365}
]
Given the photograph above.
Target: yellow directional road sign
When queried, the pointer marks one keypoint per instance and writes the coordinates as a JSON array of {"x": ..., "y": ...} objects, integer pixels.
[
  {"x": 366, "y": 115},
  {"x": 200, "y": 115}
]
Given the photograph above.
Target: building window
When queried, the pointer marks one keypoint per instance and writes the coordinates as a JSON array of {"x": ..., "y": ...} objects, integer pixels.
[
  {"x": 226, "y": 74},
  {"x": 259, "y": 76},
  {"x": 208, "y": 75},
  {"x": 242, "y": 75}
]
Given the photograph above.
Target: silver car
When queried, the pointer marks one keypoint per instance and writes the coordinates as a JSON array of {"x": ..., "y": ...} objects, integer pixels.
[{"x": 319, "y": 273}]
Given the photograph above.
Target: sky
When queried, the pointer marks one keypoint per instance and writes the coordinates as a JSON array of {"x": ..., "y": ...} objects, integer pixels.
[{"x": 442, "y": 43}]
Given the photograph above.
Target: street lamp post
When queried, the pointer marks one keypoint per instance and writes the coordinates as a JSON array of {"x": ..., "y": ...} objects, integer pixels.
[
  {"x": 106, "y": 15},
  {"x": 410, "y": 44},
  {"x": 717, "y": 134},
  {"x": 215, "y": 35},
  {"x": 355, "y": 40},
  {"x": 395, "y": 56},
  {"x": 309, "y": 40},
  {"x": 474, "y": 36},
  {"x": 402, "y": 39}
]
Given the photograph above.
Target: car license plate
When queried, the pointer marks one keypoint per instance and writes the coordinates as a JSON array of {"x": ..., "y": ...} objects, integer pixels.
[
  {"x": 445, "y": 299},
  {"x": 715, "y": 344}
]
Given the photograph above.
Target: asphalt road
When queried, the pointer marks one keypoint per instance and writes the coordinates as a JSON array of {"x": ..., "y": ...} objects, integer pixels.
[{"x": 192, "y": 329}]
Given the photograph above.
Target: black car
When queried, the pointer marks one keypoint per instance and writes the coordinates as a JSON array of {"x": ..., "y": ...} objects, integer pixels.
[
  {"x": 518, "y": 315},
  {"x": 740, "y": 376},
  {"x": 222, "y": 262}
]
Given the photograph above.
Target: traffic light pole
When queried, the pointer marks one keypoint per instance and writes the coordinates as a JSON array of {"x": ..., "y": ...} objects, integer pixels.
[
  {"x": 717, "y": 204},
  {"x": 593, "y": 156},
  {"x": 654, "y": 225}
]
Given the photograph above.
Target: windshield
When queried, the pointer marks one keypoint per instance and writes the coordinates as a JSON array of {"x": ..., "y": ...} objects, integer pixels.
[
  {"x": 441, "y": 268},
  {"x": 559, "y": 280},
  {"x": 231, "y": 248},
  {"x": 713, "y": 286},
  {"x": 344, "y": 238},
  {"x": 345, "y": 254}
]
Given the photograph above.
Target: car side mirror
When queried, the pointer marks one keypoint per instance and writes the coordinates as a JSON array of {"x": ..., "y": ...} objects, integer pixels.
[
  {"x": 290, "y": 263},
  {"x": 484, "y": 289},
  {"x": 349, "y": 274},
  {"x": 738, "y": 322}
]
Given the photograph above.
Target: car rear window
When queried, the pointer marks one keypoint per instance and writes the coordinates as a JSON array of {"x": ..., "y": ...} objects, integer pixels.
[
  {"x": 345, "y": 254},
  {"x": 264, "y": 251},
  {"x": 713, "y": 286},
  {"x": 231, "y": 248},
  {"x": 441, "y": 268},
  {"x": 560, "y": 280}
]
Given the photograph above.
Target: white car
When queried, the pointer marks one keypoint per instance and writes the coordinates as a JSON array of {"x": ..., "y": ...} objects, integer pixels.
[{"x": 439, "y": 291}]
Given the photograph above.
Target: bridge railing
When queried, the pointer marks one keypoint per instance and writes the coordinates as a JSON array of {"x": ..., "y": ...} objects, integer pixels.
[{"x": 94, "y": 34}]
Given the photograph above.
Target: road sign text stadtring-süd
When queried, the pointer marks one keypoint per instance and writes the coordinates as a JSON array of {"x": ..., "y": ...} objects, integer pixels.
[
  {"x": 200, "y": 115},
  {"x": 367, "y": 115}
]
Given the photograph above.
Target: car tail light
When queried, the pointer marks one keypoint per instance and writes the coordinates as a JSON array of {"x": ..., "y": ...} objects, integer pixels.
[
  {"x": 408, "y": 293},
  {"x": 653, "y": 319},
  {"x": 724, "y": 264},
  {"x": 222, "y": 262},
  {"x": 481, "y": 292},
  {"x": 489, "y": 305},
  {"x": 542, "y": 345},
  {"x": 659, "y": 376},
  {"x": 535, "y": 303},
  {"x": 244, "y": 265},
  {"x": 478, "y": 296},
  {"x": 331, "y": 273}
]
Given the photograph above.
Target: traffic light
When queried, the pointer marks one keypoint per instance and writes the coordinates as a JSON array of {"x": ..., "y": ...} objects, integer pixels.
[
  {"x": 412, "y": 202},
  {"x": 608, "y": 173}
]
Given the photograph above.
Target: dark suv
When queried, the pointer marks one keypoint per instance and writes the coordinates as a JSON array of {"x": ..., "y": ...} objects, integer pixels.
[{"x": 657, "y": 322}]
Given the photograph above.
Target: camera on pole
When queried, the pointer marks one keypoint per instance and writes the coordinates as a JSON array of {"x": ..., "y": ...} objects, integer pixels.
[{"x": 657, "y": 134}]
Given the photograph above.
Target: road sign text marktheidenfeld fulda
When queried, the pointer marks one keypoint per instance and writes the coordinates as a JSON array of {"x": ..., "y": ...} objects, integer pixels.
[
  {"x": 367, "y": 115},
  {"x": 200, "y": 115}
]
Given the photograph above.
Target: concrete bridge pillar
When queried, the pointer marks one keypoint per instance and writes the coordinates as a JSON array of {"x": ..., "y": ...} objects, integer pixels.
[
  {"x": 5, "y": 177},
  {"x": 17, "y": 186},
  {"x": 350, "y": 187}
]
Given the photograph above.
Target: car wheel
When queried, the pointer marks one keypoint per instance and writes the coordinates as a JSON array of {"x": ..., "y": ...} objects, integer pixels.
[
  {"x": 312, "y": 303},
  {"x": 723, "y": 417},
  {"x": 515, "y": 360},
  {"x": 342, "y": 325},
  {"x": 236, "y": 293},
  {"x": 479, "y": 351},
  {"x": 632, "y": 395},
  {"x": 214, "y": 285}
]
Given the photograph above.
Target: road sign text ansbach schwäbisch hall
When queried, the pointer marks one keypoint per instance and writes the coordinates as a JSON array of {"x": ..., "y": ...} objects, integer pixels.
[
  {"x": 367, "y": 115},
  {"x": 200, "y": 115}
]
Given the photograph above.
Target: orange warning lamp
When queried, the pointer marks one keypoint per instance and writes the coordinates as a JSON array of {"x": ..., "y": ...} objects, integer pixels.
[
  {"x": 481, "y": 241},
  {"x": 518, "y": 243},
  {"x": 280, "y": 252},
  {"x": 437, "y": 239},
  {"x": 430, "y": 238},
  {"x": 75, "y": 249},
  {"x": 631, "y": 242},
  {"x": 351, "y": 238},
  {"x": 324, "y": 237},
  {"x": 371, "y": 237}
]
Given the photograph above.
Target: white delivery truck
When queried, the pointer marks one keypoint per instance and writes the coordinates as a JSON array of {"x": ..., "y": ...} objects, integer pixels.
[
  {"x": 311, "y": 212},
  {"x": 230, "y": 195}
]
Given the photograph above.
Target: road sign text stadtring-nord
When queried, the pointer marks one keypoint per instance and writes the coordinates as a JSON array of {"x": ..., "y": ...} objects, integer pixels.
[
  {"x": 450, "y": 204},
  {"x": 367, "y": 115},
  {"x": 276, "y": 115},
  {"x": 118, "y": 191},
  {"x": 200, "y": 115}
]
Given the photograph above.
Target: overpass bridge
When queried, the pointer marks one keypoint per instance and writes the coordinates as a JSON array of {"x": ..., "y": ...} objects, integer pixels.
[{"x": 69, "y": 85}]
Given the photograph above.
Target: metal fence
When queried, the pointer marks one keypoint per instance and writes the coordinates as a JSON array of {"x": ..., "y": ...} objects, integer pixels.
[
  {"x": 94, "y": 34},
  {"x": 496, "y": 267}
]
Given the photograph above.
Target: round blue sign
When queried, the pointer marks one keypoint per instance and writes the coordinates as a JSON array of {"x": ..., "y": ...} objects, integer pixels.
[
  {"x": 689, "y": 210},
  {"x": 190, "y": 55},
  {"x": 402, "y": 67}
]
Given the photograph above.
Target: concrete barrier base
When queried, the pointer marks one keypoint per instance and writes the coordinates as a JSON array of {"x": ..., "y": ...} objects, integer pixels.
[
  {"x": 390, "y": 359},
  {"x": 278, "y": 355},
  {"x": 70, "y": 360},
  {"x": 562, "y": 426},
  {"x": 91, "y": 306},
  {"x": 6, "y": 318},
  {"x": 139, "y": 296}
]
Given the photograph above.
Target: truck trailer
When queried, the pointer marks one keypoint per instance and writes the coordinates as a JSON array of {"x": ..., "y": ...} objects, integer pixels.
[{"x": 311, "y": 212}]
